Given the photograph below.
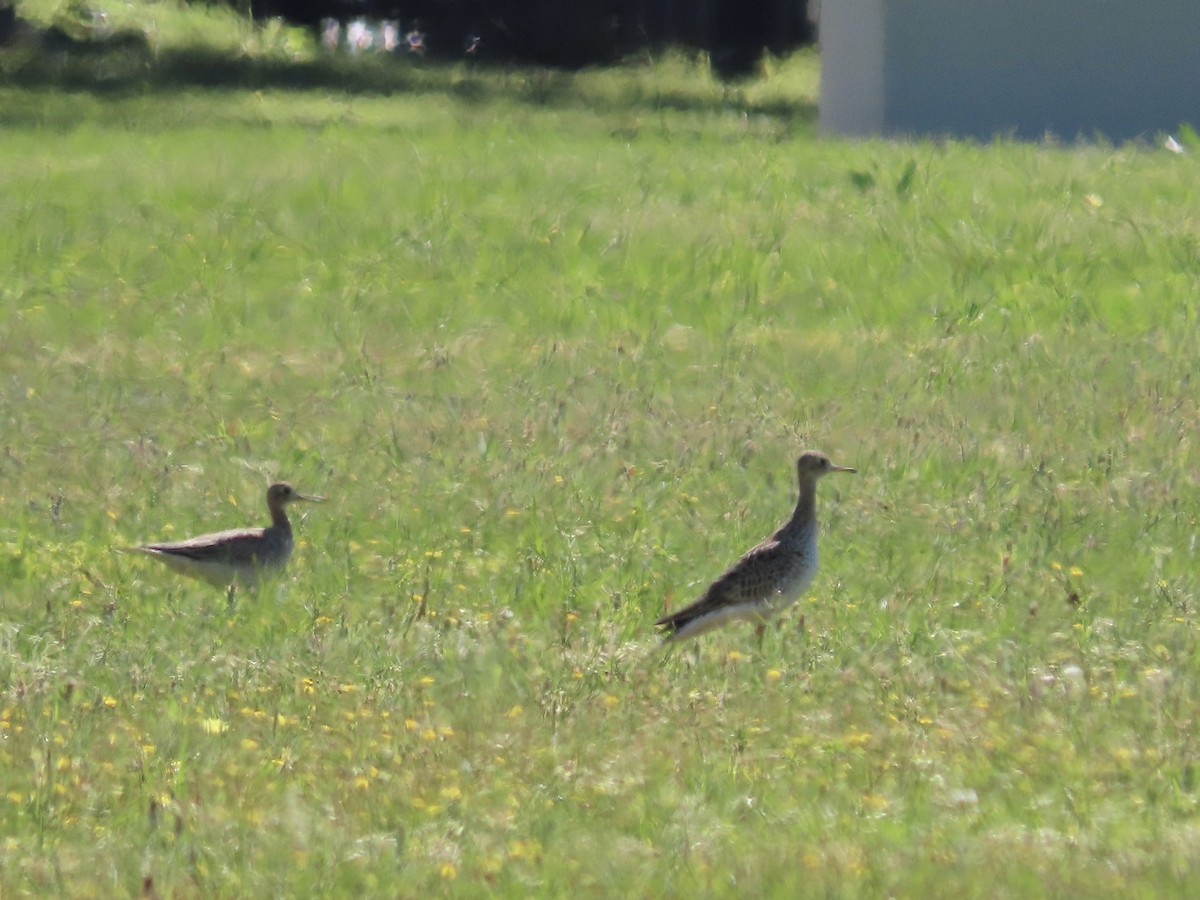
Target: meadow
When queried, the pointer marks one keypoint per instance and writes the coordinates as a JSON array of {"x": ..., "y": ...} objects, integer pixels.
[{"x": 550, "y": 343}]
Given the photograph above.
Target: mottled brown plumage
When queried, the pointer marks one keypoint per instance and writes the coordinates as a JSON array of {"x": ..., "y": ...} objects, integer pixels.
[
  {"x": 768, "y": 577},
  {"x": 238, "y": 555}
]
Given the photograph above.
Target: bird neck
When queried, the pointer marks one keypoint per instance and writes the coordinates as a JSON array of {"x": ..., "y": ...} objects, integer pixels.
[
  {"x": 805, "y": 516},
  {"x": 279, "y": 518}
]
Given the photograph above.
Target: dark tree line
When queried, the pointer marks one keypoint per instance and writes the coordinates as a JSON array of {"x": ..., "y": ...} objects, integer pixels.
[{"x": 574, "y": 32}]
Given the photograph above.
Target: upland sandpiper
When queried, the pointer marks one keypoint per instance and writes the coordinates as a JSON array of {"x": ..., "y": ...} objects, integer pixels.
[
  {"x": 768, "y": 577},
  {"x": 239, "y": 555}
]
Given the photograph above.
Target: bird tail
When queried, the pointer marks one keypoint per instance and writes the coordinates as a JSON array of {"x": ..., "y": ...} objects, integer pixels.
[{"x": 670, "y": 625}]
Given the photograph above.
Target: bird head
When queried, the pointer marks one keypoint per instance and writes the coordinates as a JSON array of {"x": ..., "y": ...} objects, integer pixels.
[{"x": 813, "y": 464}]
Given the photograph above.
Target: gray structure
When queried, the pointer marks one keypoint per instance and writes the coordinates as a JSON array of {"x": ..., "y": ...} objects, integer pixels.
[{"x": 1023, "y": 68}]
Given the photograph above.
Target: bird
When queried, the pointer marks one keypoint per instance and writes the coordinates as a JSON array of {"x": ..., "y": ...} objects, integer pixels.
[
  {"x": 240, "y": 555},
  {"x": 768, "y": 577}
]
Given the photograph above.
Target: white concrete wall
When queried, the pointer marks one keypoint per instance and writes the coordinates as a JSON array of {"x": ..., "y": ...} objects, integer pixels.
[{"x": 982, "y": 68}]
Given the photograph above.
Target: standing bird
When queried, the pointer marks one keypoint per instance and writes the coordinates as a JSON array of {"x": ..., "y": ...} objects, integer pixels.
[
  {"x": 770, "y": 576},
  {"x": 227, "y": 557}
]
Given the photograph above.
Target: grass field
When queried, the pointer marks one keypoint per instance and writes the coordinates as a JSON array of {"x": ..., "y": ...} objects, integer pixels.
[{"x": 550, "y": 344}]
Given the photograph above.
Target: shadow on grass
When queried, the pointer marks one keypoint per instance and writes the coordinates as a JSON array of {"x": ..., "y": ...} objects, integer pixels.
[{"x": 129, "y": 67}]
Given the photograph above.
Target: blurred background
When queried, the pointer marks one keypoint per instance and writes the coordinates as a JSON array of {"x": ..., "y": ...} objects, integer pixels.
[{"x": 735, "y": 33}]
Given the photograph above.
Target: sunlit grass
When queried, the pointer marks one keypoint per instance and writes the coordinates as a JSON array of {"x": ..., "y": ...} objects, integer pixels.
[{"x": 550, "y": 344}]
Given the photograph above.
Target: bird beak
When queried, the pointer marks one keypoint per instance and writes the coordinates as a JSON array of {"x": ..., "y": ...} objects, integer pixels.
[
  {"x": 300, "y": 496},
  {"x": 842, "y": 469}
]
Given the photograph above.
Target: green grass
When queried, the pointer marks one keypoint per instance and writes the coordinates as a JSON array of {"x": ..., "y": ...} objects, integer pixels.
[{"x": 550, "y": 344}]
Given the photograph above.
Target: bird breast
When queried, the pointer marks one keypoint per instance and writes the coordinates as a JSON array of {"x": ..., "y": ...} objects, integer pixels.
[{"x": 798, "y": 577}]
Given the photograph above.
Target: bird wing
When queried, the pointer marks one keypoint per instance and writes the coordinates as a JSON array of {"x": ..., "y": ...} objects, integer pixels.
[
  {"x": 237, "y": 543},
  {"x": 752, "y": 578}
]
